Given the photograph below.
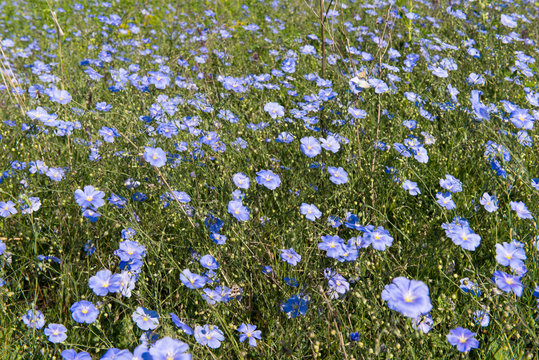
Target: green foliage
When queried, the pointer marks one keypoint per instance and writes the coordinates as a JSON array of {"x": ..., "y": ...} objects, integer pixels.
[{"x": 420, "y": 249}]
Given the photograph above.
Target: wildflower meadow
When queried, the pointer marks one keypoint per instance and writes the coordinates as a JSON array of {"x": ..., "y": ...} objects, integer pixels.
[{"x": 269, "y": 179}]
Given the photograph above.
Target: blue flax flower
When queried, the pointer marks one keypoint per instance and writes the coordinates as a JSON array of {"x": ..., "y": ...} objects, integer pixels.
[
  {"x": 168, "y": 348},
  {"x": 104, "y": 282},
  {"x": 310, "y": 211},
  {"x": 411, "y": 187},
  {"x": 330, "y": 144},
  {"x": 238, "y": 210},
  {"x": 89, "y": 197},
  {"x": 310, "y": 146},
  {"x": 145, "y": 319},
  {"x": 337, "y": 285},
  {"x": 241, "y": 180},
  {"x": 7, "y": 208},
  {"x": 249, "y": 331},
  {"x": 451, "y": 183},
  {"x": 180, "y": 324},
  {"x": 379, "y": 238},
  {"x": 117, "y": 354},
  {"x": 338, "y": 175},
  {"x": 71, "y": 354},
  {"x": 209, "y": 262},
  {"x": 463, "y": 339},
  {"x": 295, "y": 306},
  {"x": 333, "y": 245},
  {"x": 290, "y": 256},
  {"x": 56, "y": 333},
  {"x": 462, "y": 235},
  {"x": 409, "y": 297},
  {"x": 274, "y": 110},
  {"x": 521, "y": 210},
  {"x": 209, "y": 335},
  {"x": 482, "y": 317},
  {"x": 268, "y": 178},
  {"x": 192, "y": 280},
  {"x": 445, "y": 200},
  {"x": 490, "y": 202},
  {"x": 508, "y": 283},
  {"x": 155, "y": 156},
  {"x": 84, "y": 312},
  {"x": 34, "y": 319},
  {"x": 511, "y": 254}
]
